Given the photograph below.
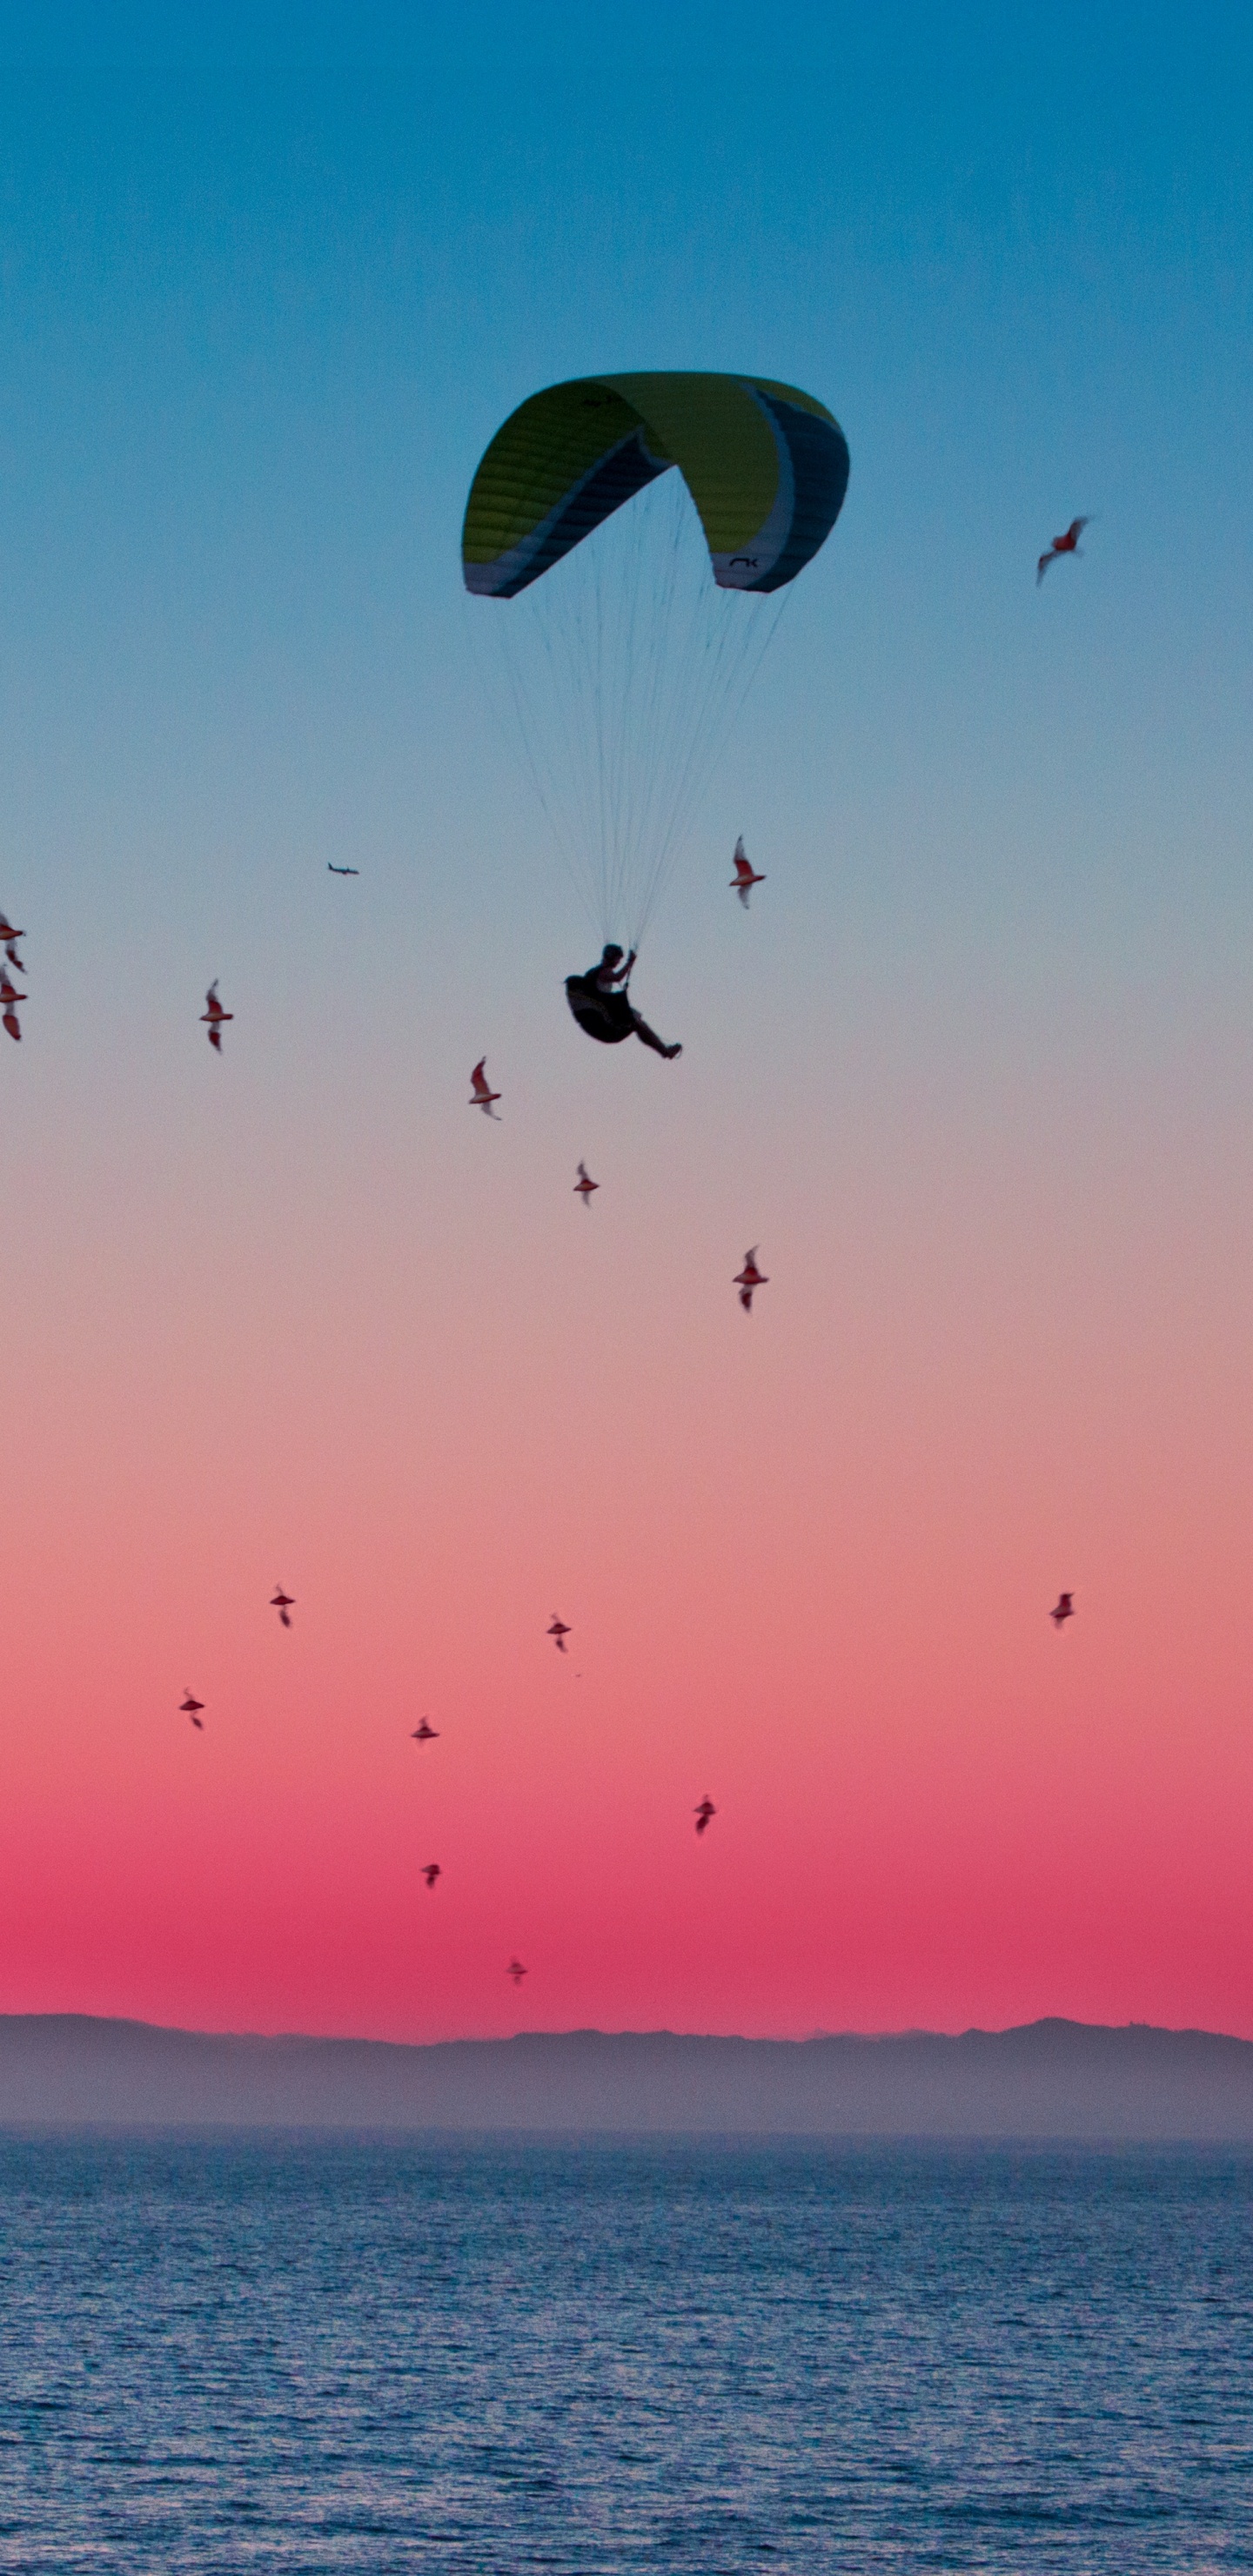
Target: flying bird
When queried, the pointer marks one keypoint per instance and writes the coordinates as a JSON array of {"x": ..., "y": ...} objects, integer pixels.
[
  {"x": 426, "y": 1733},
  {"x": 748, "y": 1278},
  {"x": 215, "y": 1015},
  {"x": 516, "y": 1970},
  {"x": 703, "y": 1813},
  {"x": 12, "y": 1023},
  {"x": 559, "y": 1632},
  {"x": 431, "y": 1872},
  {"x": 1067, "y": 545},
  {"x": 283, "y": 1602},
  {"x": 481, "y": 1095},
  {"x": 10, "y": 950},
  {"x": 342, "y": 872},
  {"x": 189, "y": 1707},
  {"x": 1065, "y": 1609},
  {"x": 743, "y": 880},
  {"x": 584, "y": 1187},
  {"x": 8, "y": 934},
  {"x": 9, "y": 997}
]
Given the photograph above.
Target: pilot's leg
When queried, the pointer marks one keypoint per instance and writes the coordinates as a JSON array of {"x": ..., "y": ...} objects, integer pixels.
[{"x": 651, "y": 1039}]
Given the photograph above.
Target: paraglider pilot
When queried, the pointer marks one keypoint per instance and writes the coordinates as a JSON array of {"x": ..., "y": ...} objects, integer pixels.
[{"x": 605, "y": 1013}]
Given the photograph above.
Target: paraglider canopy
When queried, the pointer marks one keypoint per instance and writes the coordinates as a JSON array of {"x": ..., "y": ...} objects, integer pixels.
[
  {"x": 766, "y": 466},
  {"x": 624, "y": 662}
]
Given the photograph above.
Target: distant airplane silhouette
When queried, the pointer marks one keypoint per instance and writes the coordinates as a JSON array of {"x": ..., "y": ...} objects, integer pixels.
[
  {"x": 1065, "y": 1609},
  {"x": 559, "y": 1632},
  {"x": 748, "y": 1278},
  {"x": 703, "y": 1813},
  {"x": 342, "y": 872},
  {"x": 431, "y": 1872},
  {"x": 584, "y": 1187},
  {"x": 426, "y": 1733},
  {"x": 283, "y": 1602},
  {"x": 743, "y": 881},
  {"x": 1067, "y": 545},
  {"x": 516, "y": 1970},
  {"x": 215, "y": 1015},
  {"x": 481, "y": 1094},
  {"x": 189, "y": 1707}
]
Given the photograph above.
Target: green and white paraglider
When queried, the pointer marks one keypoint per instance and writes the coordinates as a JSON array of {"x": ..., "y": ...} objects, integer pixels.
[{"x": 626, "y": 659}]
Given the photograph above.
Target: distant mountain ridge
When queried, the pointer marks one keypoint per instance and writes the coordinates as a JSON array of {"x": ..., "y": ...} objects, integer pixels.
[{"x": 1046, "y": 2079}]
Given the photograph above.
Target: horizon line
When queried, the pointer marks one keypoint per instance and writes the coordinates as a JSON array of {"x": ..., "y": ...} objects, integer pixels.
[{"x": 591, "y": 2030}]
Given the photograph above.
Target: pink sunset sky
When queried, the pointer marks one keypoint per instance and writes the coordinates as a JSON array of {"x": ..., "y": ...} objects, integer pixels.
[{"x": 975, "y": 1072}]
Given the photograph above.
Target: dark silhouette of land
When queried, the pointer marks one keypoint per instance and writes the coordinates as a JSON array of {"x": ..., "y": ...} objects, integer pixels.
[{"x": 1050, "y": 2079}]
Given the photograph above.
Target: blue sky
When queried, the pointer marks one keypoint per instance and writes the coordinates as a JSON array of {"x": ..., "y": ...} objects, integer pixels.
[
  {"x": 262, "y": 321},
  {"x": 271, "y": 279}
]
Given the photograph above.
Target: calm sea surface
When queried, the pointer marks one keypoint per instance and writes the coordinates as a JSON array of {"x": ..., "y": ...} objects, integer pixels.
[{"x": 357, "y": 2353}]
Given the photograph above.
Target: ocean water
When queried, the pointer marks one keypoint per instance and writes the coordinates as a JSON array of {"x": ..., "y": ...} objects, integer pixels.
[{"x": 355, "y": 2353}]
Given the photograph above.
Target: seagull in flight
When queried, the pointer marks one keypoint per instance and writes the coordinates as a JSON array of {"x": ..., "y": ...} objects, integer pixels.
[
  {"x": 431, "y": 1872},
  {"x": 283, "y": 1602},
  {"x": 703, "y": 1813},
  {"x": 1067, "y": 545},
  {"x": 1065, "y": 1609},
  {"x": 215, "y": 1015},
  {"x": 584, "y": 1186},
  {"x": 481, "y": 1093},
  {"x": 748, "y": 1278},
  {"x": 189, "y": 1707},
  {"x": 516, "y": 1970},
  {"x": 9, "y": 998},
  {"x": 342, "y": 872},
  {"x": 425, "y": 1733},
  {"x": 743, "y": 880},
  {"x": 559, "y": 1632}
]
